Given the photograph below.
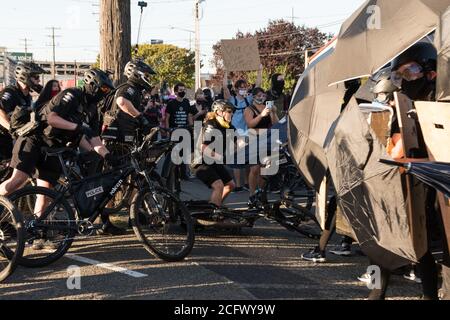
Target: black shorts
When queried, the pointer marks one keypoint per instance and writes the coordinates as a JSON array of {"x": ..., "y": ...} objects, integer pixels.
[
  {"x": 208, "y": 174},
  {"x": 28, "y": 157}
]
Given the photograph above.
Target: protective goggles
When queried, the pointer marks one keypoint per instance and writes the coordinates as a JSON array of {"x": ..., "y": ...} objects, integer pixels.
[{"x": 409, "y": 72}]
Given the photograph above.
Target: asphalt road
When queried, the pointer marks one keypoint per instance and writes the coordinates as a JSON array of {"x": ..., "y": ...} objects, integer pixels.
[{"x": 259, "y": 263}]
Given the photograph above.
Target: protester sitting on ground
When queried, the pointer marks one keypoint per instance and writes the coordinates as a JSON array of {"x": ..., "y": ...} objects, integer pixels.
[
  {"x": 211, "y": 169},
  {"x": 258, "y": 117}
]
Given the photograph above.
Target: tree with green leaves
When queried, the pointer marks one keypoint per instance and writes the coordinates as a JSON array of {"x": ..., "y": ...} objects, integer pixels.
[{"x": 172, "y": 64}]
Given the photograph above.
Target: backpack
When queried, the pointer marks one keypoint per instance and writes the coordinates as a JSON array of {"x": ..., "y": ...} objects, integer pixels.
[
  {"x": 107, "y": 104},
  {"x": 238, "y": 118}
]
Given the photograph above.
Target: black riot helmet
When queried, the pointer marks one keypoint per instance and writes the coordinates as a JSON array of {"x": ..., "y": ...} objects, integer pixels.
[
  {"x": 423, "y": 53},
  {"x": 138, "y": 72},
  {"x": 25, "y": 71},
  {"x": 222, "y": 105},
  {"x": 383, "y": 87},
  {"x": 97, "y": 83}
]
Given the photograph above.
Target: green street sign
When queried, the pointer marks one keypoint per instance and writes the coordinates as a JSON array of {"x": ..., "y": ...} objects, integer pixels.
[{"x": 20, "y": 56}]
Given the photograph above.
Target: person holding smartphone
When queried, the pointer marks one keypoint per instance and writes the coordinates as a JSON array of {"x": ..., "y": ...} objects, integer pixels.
[{"x": 260, "y": 115}]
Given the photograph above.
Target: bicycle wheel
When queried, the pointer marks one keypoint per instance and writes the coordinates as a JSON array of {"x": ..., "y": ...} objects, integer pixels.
[
  {"x": 296, "y": 218},
  {"x": 163, "y": 224},
  {"x": 122, "y": 197},
  {"x": 173, "y": 183},
  {"x": 47, "y": 239},
  {"x": 11, "y": 237},
  {"x": 293, "y": 185}
]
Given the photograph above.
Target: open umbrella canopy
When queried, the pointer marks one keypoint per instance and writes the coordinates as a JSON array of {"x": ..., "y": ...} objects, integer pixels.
[
  {"x": 433, "y": 174},
  {"x": 379, "y": 31},
  {"x": 370, "y": 193},
  {"x": 314, "y": 108}
]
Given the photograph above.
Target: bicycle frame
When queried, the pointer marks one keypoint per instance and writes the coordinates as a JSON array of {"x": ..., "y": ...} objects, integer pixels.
[{"x": 123, "y": 173}]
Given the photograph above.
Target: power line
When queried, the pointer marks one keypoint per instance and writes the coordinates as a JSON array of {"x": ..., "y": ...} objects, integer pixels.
[{"x": 25, "y": 43}]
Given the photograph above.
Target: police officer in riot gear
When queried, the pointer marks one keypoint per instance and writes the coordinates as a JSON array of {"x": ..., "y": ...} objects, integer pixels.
[
  {"x": 69, "y": 119},
  {"x": 127, "y": 113},
  {"x": 15, "y": 104}
]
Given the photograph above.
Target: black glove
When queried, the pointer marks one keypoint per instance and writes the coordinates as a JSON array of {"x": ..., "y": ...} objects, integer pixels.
[
  {"x": 112, "y": 161},
  {"x": 85, "y": 130},
  {"x": 144, "y": 124}
]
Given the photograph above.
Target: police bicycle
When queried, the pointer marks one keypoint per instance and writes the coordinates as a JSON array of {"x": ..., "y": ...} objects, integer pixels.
[
  {"x": 159, "y": 219},
  {"x": 11, "y": 237}
]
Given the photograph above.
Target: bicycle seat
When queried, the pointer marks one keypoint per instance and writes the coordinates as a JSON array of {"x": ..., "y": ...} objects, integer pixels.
[{"x": 54, "y": 152}]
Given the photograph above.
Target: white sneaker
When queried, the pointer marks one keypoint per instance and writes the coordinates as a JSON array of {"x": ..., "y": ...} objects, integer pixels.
[
  {"x": 412, "y": 277},
  {"x": 366, "y": 278},
  {"x": 343, "y": 250}
]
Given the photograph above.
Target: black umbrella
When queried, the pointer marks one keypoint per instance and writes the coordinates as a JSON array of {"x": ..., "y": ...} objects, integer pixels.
[
  {"x": 370, "y": 193},
  {"x": 433, "y": 174},
  {"x": 314, "y": 108}
]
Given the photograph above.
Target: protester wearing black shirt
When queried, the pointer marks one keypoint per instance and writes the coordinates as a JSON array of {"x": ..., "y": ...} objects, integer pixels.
[
  {"x": 200, "y": 108},
  {"x": 179, "y": 110}
]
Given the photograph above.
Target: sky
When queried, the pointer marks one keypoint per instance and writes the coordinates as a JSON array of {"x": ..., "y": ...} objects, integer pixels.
[{"x": 78, "y": 32}]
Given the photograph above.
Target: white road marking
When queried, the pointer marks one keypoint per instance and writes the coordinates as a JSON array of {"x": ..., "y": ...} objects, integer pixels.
[{"x": 107, "y": 266}]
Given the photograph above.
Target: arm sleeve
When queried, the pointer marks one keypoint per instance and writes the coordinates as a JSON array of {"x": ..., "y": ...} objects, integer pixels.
[
  {"x": 7, "y": 101},
  {"x": 63, "y": 103},
  {"x": 207, "y": 134}
]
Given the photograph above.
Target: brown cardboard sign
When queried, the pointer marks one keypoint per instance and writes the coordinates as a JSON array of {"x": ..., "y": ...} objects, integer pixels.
[
  {"x": 415, "y": 191},
  {"x": 241, "y": 54},
  {"x": 434, "y": 118}
]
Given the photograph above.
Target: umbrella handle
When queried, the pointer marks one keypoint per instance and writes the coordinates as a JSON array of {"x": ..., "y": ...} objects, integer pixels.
[{"x": 394, "y": 163}]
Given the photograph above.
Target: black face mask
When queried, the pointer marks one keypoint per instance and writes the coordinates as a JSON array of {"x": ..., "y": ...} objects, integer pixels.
[
  {"x": 201, "y": 102},
  {"x": 415, "y": 89},
  {"x": 182, "y": 94},
  {"x": 278, "y": 86}
]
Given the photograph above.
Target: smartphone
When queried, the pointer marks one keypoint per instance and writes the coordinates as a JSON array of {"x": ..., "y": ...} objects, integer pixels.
[{"x": 269, "y": 105}]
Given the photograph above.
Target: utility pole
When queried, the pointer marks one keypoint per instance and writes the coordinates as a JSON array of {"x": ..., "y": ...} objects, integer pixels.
[
  {"x": 293, "y": 16},
  {"x": 25, "y": 42},
  {"x": 115, "y": 36},
  {"x": 53, "y": 37},
  {"x": 76, "y": 72},
  {"x": 306, "y": 58},
  {"x": 198, "y": 81}
]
